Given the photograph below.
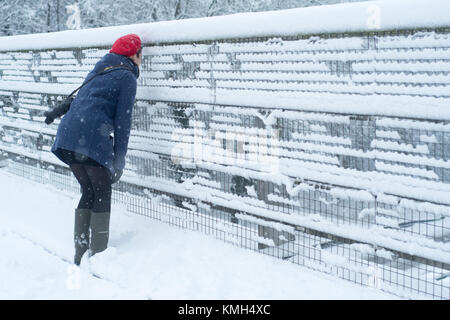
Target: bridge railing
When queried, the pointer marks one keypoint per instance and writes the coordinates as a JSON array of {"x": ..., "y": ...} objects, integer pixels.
[{"x": 328, "y": 150}]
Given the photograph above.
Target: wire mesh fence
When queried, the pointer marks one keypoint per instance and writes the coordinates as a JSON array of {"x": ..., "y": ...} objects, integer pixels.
[{"x": 360, "y": 263}]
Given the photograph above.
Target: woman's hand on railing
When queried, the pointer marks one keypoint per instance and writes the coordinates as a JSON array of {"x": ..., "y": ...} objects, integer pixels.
[{"x": 116, "y": 176}]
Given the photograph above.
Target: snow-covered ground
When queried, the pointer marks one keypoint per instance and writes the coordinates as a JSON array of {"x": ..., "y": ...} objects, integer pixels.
[{"x": 146, "y": 259}]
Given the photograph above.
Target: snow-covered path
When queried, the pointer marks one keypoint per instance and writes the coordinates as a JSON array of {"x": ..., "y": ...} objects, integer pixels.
[{"x": 146, "y": 258}]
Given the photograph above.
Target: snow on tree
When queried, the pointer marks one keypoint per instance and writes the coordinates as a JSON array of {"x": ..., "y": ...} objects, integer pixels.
[{"x": 35, "y": 16}]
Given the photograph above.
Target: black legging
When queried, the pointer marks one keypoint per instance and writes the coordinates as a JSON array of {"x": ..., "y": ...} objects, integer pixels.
[
  {"x": 95, "y": 184},
  {"x": 94, "y": 179}
]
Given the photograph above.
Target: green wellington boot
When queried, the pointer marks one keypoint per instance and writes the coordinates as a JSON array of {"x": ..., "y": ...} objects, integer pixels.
[
  {"x": 81, "y": 233},
  {"x": 99, "y": 232}
]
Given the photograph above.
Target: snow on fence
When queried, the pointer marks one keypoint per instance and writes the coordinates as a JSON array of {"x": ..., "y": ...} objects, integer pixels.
[{"x": 329, "y": 150}]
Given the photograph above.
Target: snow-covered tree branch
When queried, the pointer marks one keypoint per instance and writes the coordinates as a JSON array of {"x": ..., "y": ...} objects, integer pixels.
[{"x": 35, "y": 16}]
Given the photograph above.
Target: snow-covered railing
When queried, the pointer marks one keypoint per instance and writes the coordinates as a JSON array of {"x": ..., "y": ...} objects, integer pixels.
[{"x": 324, "y": 144}]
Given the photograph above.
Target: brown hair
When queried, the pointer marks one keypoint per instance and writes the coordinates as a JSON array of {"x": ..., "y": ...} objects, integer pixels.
[{"x": 139, "y": 52}]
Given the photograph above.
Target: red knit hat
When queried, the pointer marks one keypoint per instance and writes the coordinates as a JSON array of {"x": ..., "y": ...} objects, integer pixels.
[{"x": 127, "y": 45}]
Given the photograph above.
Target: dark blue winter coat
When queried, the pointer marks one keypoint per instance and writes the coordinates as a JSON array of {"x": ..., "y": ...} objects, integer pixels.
[{"x": 102, "y": 107}]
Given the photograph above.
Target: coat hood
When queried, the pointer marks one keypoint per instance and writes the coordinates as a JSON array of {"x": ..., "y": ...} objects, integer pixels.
[{"x": 113, "y": 59}]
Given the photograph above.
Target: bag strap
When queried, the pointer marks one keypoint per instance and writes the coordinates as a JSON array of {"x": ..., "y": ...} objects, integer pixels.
[{"x": 119, "y": 66}]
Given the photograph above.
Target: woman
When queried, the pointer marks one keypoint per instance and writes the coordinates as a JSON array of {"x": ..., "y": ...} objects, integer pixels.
[{"x": 83, "y": 141}]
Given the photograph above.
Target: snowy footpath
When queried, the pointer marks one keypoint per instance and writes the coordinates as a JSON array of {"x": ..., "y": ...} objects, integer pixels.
[{"x": 146, "y": 259}]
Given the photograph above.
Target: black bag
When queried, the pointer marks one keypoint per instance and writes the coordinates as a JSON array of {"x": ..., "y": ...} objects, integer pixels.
[
  {"x": 58, "y": 111},
  {"x": 62, "y": 108}
]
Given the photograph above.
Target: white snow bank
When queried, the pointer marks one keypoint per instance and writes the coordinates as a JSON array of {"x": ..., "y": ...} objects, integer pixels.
[
  {"x": 348, "y": 17},
  {"x": 146, "y": 259}
]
